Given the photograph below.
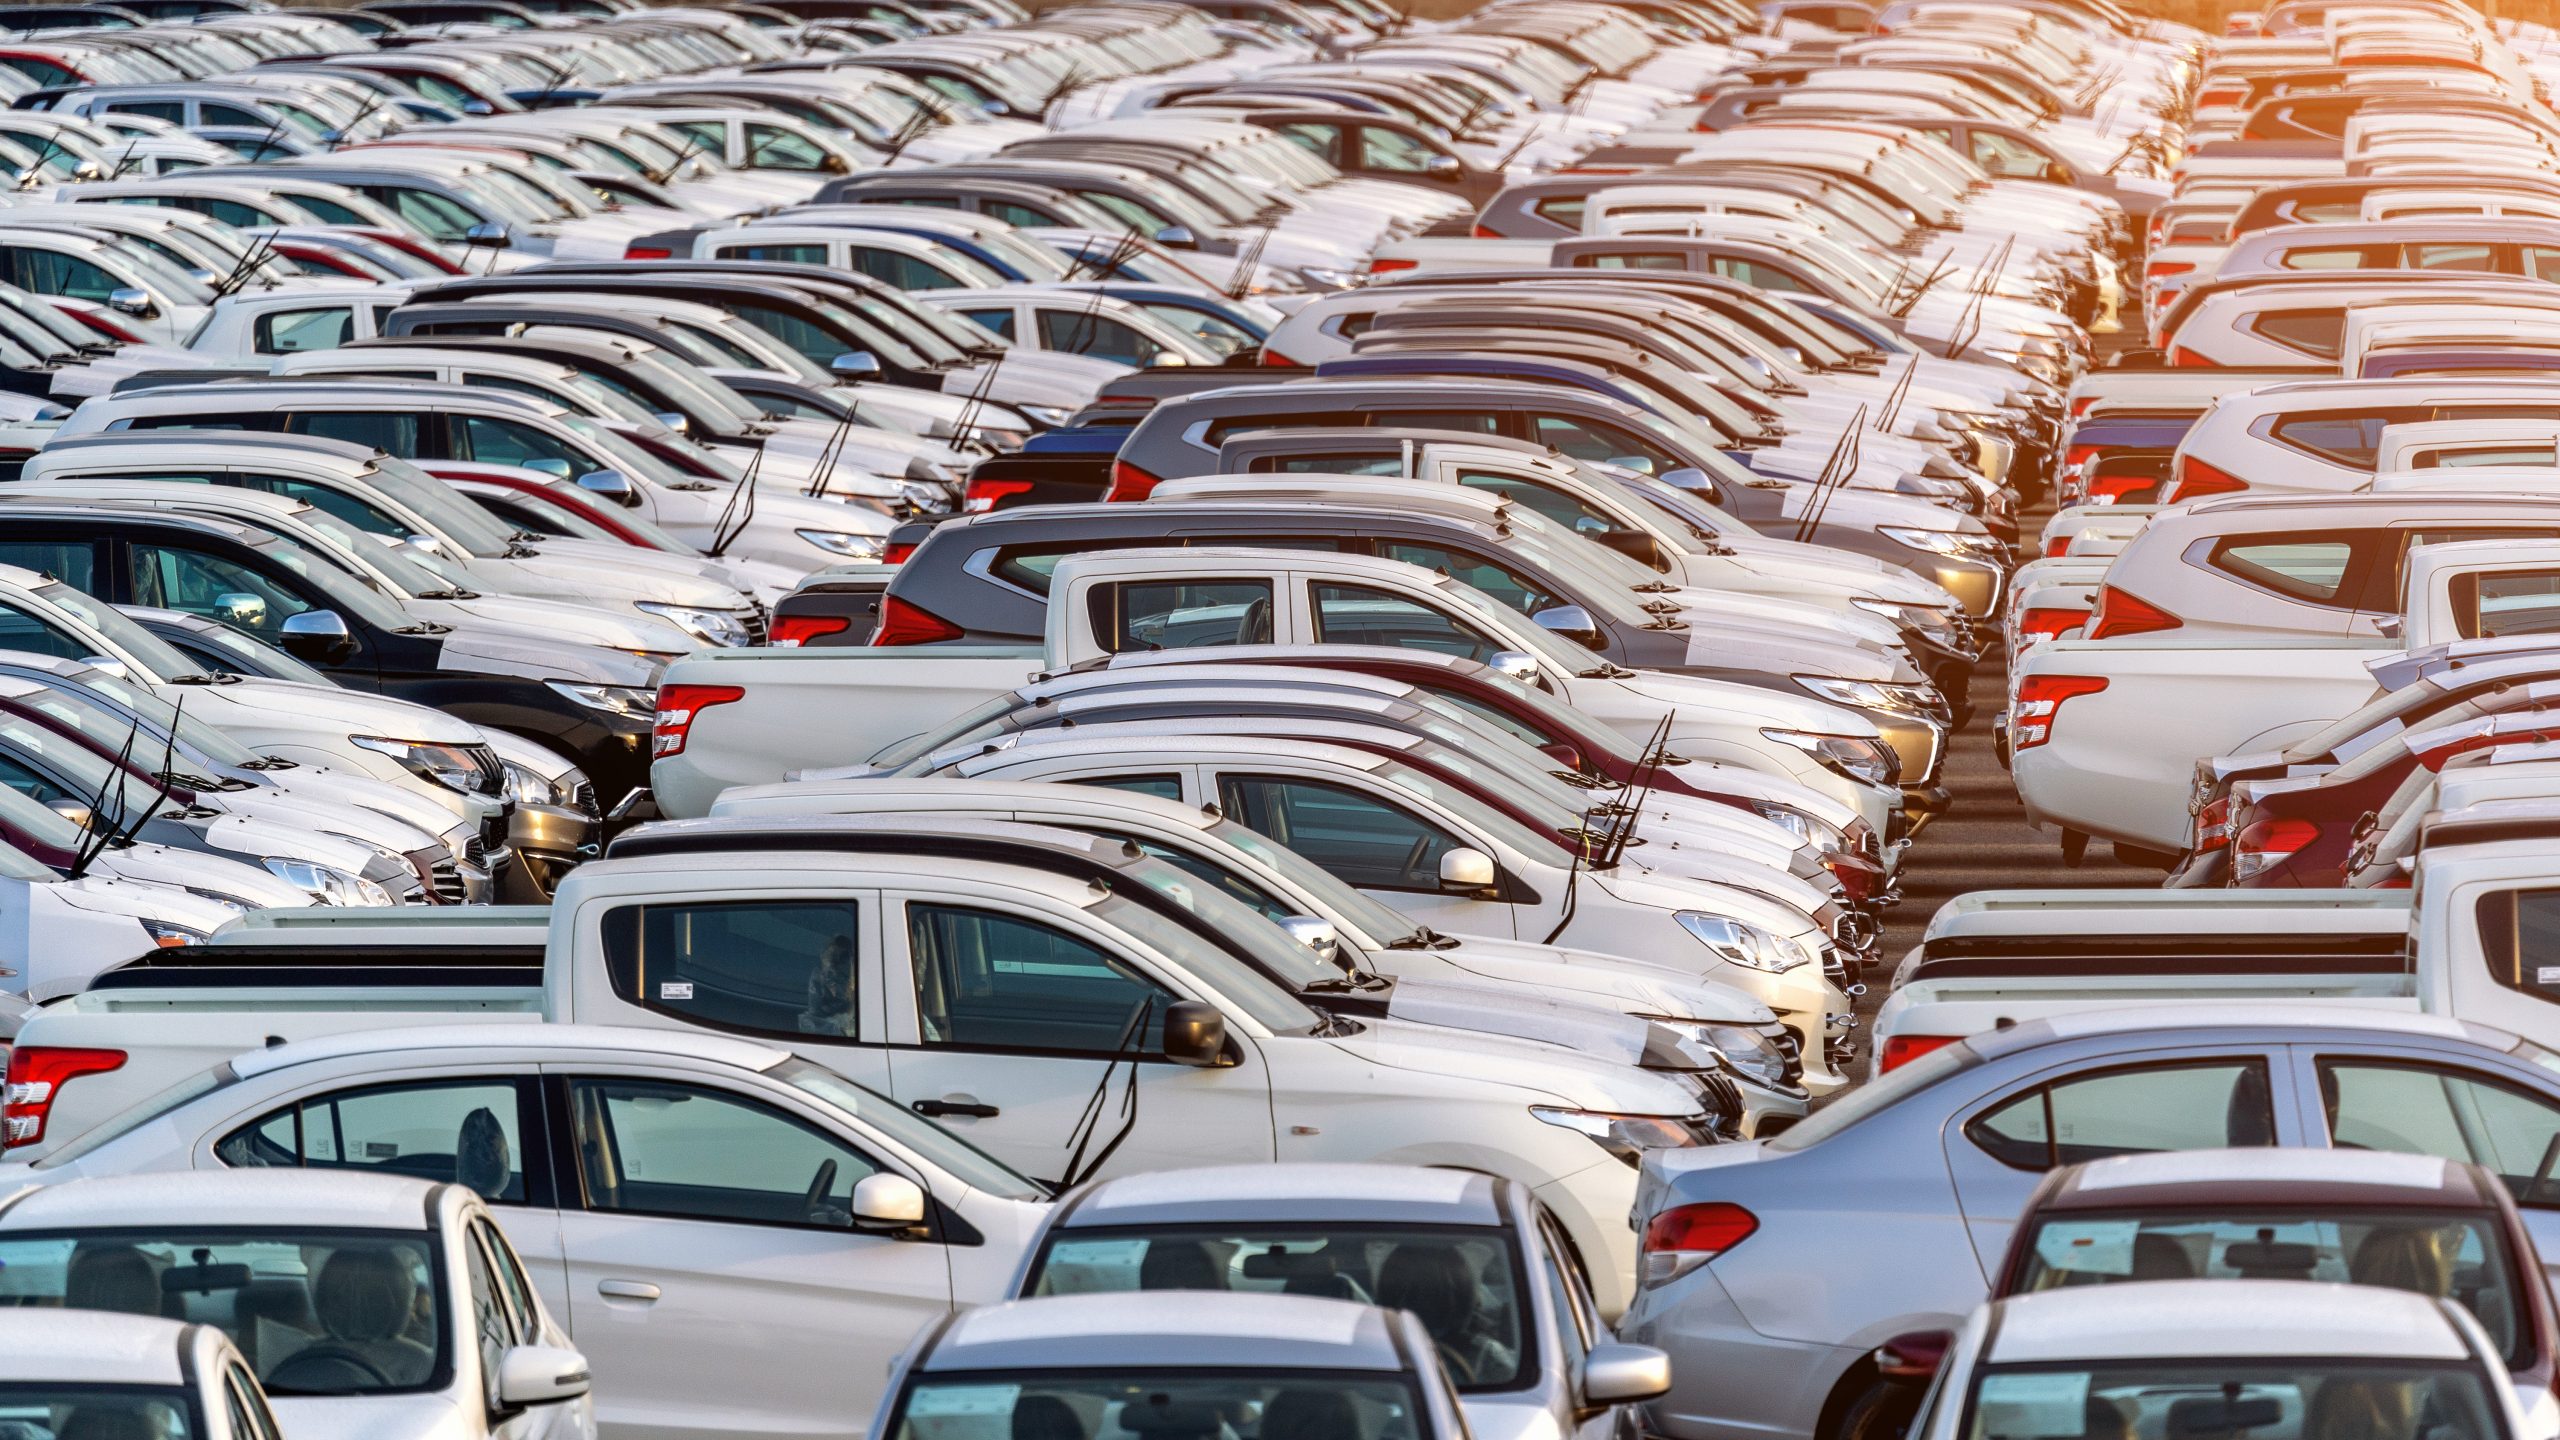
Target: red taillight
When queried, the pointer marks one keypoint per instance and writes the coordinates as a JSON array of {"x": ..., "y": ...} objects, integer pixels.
[
  {"x": 2112, "y": 489},
  {"x": 1482, "y": 231},
  {"x": 1901, "y": 1050},
  {"x": 2181, "y": 355},
  {"x": 1684, "y": 1237},
  {"x": 2265, "y": 844},
  {"x": 2046, "y": 621},
  {"x": 905, "y": 624},
  {"x": 678, "y": 707},
  {"x": 1128, "y": 482},
  {"x": 2039, "y": 699},
  {"x": 801, "y": 629},
  {"x": 897, "y": 552},
  {"x": 2121, "y": 613},
  {"x": 985, "y": 495},
  {"x": 2081, "y": 406},
  {"x": 1274, "y": 357},
  {"x": 2158, "y": 268},
  {"x": 2196, "y": 480},
  {"x": 37, "y": 1074},
  {"x": 1382, "y": 265},
  {"x": 648, "y": 252},
  {"x": 2078, "y": 455},
  {"x": 2057, "y": 547},
  {"x": 2213, "y": 824}
]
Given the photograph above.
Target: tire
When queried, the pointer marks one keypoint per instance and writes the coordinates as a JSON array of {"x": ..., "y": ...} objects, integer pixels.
[{"x": 1882, "y": 1411}]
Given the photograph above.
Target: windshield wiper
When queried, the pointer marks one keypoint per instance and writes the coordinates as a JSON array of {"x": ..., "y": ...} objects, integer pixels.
[
  {"x": 448, "y": 594},
  {"x": 1353, "y": 983},
  {"x": 1422, "y": 938}
]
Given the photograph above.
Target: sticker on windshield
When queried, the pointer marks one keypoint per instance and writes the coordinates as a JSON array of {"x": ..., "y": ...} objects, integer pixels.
[
  {"x": 954, "y": 1401},
  {"x": 2090, "y": 1247},
  {"x": 675, "y": 990},
  {"x": 2035, "y": 1404}
]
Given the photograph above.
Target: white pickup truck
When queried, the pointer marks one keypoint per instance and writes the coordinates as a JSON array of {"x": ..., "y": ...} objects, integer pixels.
[
  {"x": 2475, "y": 943},
  {"x": 2103, "y": 736},
  {"x": 755, "y": 716}
]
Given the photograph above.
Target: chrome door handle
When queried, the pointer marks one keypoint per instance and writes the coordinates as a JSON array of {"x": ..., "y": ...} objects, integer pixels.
[{"x": 627, "y": 1289}]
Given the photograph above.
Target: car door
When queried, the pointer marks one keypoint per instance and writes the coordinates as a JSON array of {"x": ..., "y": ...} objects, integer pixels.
[
  {"x": 1040, "y": 1039},
  {"x": 715, "y": 1280},
  {"x": 1365, "y": 839},
  {"x": 2116, "y": 1103},
  {"x": 2505, "y": 1118}
]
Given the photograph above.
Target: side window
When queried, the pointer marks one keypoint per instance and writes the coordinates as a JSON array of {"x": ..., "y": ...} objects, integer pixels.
[
  {"x": 2349, "y": 437},
  {"x": 1321, "y": 140},
  {"x": 211, "y": 587},
  {"x": 2211, "y": 1105},
  {"x": 73, "y": 562},
  {"x": 1162, "y": 787},
  {"x": 1565, "y": 210},
  {"x": 246, "y": 1403},
  {"x": 1359, "y": 615},
  {"x": 991, "y": 981},
  {"x": 2453, "y": 257},
  {"x": 1577, "y": 1315},
  {"x": 213, "y": 114},
  {"x": 1364, "y": 841},
  {"x": 513, "y": 1284},
  {"x": 393, "y": 434},
  {"x": 2423, "y": 1110},
  {"x": 766, "y": 967},
  {"x": 784, "y": 254},
  {"x": 770, "y": 147},
  {"x": 15, "y": 774},
  {"x": 1008, "y": 212},
  {"x": 2520, "y": 940},
  {"x": 22, "y": 631},
  {"x": 650, "y": 1148},
  {"x": 49, "y": 272},
  {"x": 2328, "y": 257},
  {"x": 1539, "y": 499},
  {"x": 492, "y": 441},
  {"x": 906, "y": 272},
  {"x": 2522, "y": 602},
  {"x": 469, "y": 1131},
  {"x": 2308, "y": 568},
  {"x": 361, "y": 514},
  {"x": 291, "y": 332},
  {"x": 1393, "y": 151},
  {"x": 1501, "y": 582},
  {"x": 490, "y": 1329},
  {"x": 1478, "y": 422},
  {"x": 1605, "y": 443},
  {"x": 1076, "y": 332},
  {"x": 1175, "y": 614},
  {"x": 2317, "y": 333},
  {"x": 2542, "y": 262},
  {"x": 998, "y": 322}
]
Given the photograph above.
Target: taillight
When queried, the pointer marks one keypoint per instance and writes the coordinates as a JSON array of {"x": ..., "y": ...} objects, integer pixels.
[
  {"x": 904, "y": 624},
  {"x": 2039, "y": 699},
  {"x": 1482, "y": 231},
  {"x": 1128, "y": 482},
  {"x": 2266, "y": 844},
  {"x": 1901, "y": 1050},
  {"x": 2079, "y": 455},
  {"x": 897, "y": 552},
  {"x": 647, "y": 252},
  {"x": 1382, "y": 265},
  {"x": 37, "y": 1074},
  {"x": 985, "y": 495},
  {"x": 1274, "y": 357},
  {"x": 1685, "y": 1237},
  {"x": 2196, "y": 480},
  {"x": 2057, "y": 547},
  {"x": 678, "y": 706},
  {"x": 801, "y": 629},
  {"x": 2117, "y": 489},
  {"x": 2213, "y": 824},
  {"x": 2080, "y": 406},
  {"x": 2181, "y": 355},
  {"x": 2047, "y": 621},
  {"x": 2120, "y": 613},
  {"x": 2159, "y": 268}
]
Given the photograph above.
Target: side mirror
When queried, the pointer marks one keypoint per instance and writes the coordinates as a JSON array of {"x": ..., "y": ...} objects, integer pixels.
[
  {"x": 1635, "y": 545},
  {"x": 317, "y": 636},
  {"x": 108, "y": 663},
  {"x": 1444, "y": 167},
  {"x": 836, "y": 165},
  {"x": 675, "y": 420},
  {"x": 135, "y": 301},
  {"x": 1573, "y": 623},
  {"x": 856, "y": 365},
  {"x": 478, "y": 107},
  {"x": 1195, "y": 1034},
  {"x": 612, "y": 485},
  {"x": 238, "y": 607},
  {"x": 884, "y": 1201},
  {"x": 530, "y": 1375},
  {"x": 2059, "y": 173},
  {"x": 75, "y": 811},
  {"x": 1316, "y": 934},
  {"x": 1177, "y": 237},
  {"x": 1614, "y": 1374},
  {"x": 557, "y": 469},
  {"x": 1518, "y": 664},
  {"x": 1914, "y": 1359},
  {"x": 486, "y": 236},
  {"x": 428, "y": 543},
  {"x": 1563, "y": 753},
  {"x": 2387, "y": 626},
  {"x": 1466, "y": 872},
  {"x": 1688, "y": 477},
  {"x": 203, "y": 275}
]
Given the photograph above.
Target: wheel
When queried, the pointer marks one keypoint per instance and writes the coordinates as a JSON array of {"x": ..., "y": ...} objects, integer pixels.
[{"x": 1882, "y": 1411}]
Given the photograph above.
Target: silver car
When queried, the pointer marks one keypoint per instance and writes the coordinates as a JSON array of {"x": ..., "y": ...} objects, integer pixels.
[
  {"x": 1770, "y": 1271},
  {"x": 1492, "y": 1279}
]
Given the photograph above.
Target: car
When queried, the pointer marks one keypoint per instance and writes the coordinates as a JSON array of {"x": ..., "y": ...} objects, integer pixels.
[{"x": 93, "y": 1373}]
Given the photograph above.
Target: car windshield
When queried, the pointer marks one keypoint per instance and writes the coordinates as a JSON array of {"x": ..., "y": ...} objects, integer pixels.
[
  {"x": 2223, "y": 1399},
  {"x": 314, "y": 1312},
  {"x": 1136, "y": 1404},
  {"x": 1374, "y": 920},
  {"x": 98, "y": 718},
  {"x": 44, "y": 1410},
  {"x": 337, "y": 589},
  {"x": 2456, "y": 1255},
  {"x": 1462, "y": 1283},
  {"x": 245, "y": 656},
  {"x": 935, "y": 1145},
  {"x": 1883, "y": 1093},
  {"x": 130, "y": 639},
  {"x": 455, "y": 520}
]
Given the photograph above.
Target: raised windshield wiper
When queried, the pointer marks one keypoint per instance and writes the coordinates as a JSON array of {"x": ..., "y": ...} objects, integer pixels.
[
  {"x": 1356, "y": 981},
  {"x": 448, "y": 594},
  {"x": 1422, "y": 938},
  {"x": 209, "y": 678}
]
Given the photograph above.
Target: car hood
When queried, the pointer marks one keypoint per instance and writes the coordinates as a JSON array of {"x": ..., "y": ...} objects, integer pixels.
[
  {"x": 525, "y": 652},
  {"x": 1748, "y": 703},
  {"x": 1509, "y": 1417},
  {"x": 1642, "y": 987},
  {"x": 1038, "y": 377},
  {"x": 1542, "y": 1073},
  {"x": 562, "y": 624},
  {"x": 1491, "y": 1009},
  {"x": 329, "y": 708},
  {"x": 560, "y": 574},
  {"x": 193, "y": 870}
]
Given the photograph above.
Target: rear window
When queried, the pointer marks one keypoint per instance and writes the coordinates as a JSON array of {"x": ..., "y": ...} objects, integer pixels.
[
  {"x": 1945, "y": 1062},
  {"x": 2313, "y": 332},
  {"x": 2344, "y": 437},
  {"x": 2312, "y": 568}
]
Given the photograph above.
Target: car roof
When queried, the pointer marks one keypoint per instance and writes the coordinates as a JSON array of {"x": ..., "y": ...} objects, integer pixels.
[
  {"x": 213, "y": 1198},
  {"x": 89, "y": 1347},
  {"x": 2224, "y": 1018},
  {"x": 690, "y": 1044},
  {"x": 2222, "y": 1319},
  {"x": 2285, "y": 1175},
  {"x": 1165, "y": 1331},
  {"x": 1264, "y": 1194}
]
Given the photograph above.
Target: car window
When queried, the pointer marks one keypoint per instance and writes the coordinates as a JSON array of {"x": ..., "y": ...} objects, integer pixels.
[
  {"x": 1000, "y": 322},
  {"x": 1361, "y": 839},
  {"x": 1600, "y": 441},
  {"x": 1080, "y": 332},
  {"x": 515, "y": 1288},
  {"x": 20, "y": 630},
  {"x": 770, "y": 147},
  {"x": 2205, "y": 1105},
  {"x": 2311, "y": 568},
  {"x": 1392, "y": 151},
  {"x": 360, "y": 513},
  {"x": 906, "y": 272},
  {"x": 2318, "y": 333},
  {"x": 2453, "y": 257},
  {"x": 250, "y": 1417},
  {"x": 689, "y": 1152},
  {"x": 468, "y": 1131},
  {"x": 762, "y": 967},
  {"x": 291, "y": 332},
  {"x": 988, "y": 980},
  {"x": 490, "y": 1329},
  {"x": 49, "y": 272},
  {"x": 2425, "y": 1109},
  {"x": 212, "y": 588},
  {"x": 2345, "y": 437},
  {"x": 393, "y": 434},
  {"x": 73, "y": 562},
  {"x": 784, "y": 254},
  {"x": 1505, "y": 584},
  {"x": 1577, "y": 1314},
  {"x": 1162, "y": 787},
  {"x": 2333, "y": 257},
  {"x": 1324, "y": 141},
  {"x": 1177, "y": 614},
  {"x": 492, "y": 441},
  {"x": 1361, "y": 615}
]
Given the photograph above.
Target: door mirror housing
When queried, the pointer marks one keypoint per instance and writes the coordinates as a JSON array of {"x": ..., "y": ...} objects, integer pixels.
[
  {"x": 1195, "y": 1034},
  {"x": 75, "y": 811},
  {"x": 884, "y": 1201},
  {"x": 485, "y": 236},
  {"x": 530, "y": 1375},
  {"x": 1177, "y": 237},
  {"x": 855, "y": 365},
  {"x": 557, "y": 469},
  {"x": 239, "y": 607},
  {"x": 135, "y": 301},
  {"x": 1635, "y": 545},
  {"x": 1913, "y": 1359},
  {"x": 1465, "y": 871},
  {"x": 1520, "y": 665},
  {"x": 1689, "y": 477},
  {"x": 612, "y": 485},
  {"x": 478, "y": 107},
  {"x": 1444, "y": 167},
  {"x": 1316, "y": 934},
  {"x": 675, "y": 420},
  {"x": 319, "y": 637},
  {"x": 108, "y": 663},
  {"x": 1616, "y": 1374},
  {"x": 1573, "y": 623}
]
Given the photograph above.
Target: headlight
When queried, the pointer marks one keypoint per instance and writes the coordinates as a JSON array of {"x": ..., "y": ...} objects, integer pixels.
[
  {"x": 1052, "y": 416},
  {"x": 526, "y": 788},
  {"x": 1794, "y": 822},
  {"x": 925, "y": 497},
  {"x": 1927, "y": 619},
  {"x": 1870, "y": 761},
  {"x": 1629, "y": 1136},
  {"x": 1874, "y": 694},
  {"x": 1747, "y": 1050},
  {"x": 165, "y": 935},
  {"x": 1748, "y": 946},
  {"x": 844, "y": 546},
  {"x": 1327, "y": 275},
  {"x": 711, "y": 627},
  {"x": 454, "y": 767},
  {"x": 1953, "y": 543},
  {"x": 328, "y": 885},
  {"x": 631, "y": 701}
]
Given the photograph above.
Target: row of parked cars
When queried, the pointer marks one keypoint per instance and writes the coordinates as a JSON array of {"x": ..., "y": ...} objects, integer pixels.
[{"x": 1166, "y": 722}]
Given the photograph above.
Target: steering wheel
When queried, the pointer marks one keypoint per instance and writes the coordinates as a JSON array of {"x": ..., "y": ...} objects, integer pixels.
[
  {"x": 819, "y": 1185},
  {"x": 326, "y": 1353},
  {"x": 1413, "y": 857}
]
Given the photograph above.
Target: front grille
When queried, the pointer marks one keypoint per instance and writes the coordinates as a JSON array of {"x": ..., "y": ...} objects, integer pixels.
[
  {"x": 448, "y": 883},
  {"x": 492, "y": 836},
  {"x": 493, "y": 771},
  {"x": 584, "y": 797},
  {"x": 475, "y": 851},
  {"x": 759, "y": 626}
]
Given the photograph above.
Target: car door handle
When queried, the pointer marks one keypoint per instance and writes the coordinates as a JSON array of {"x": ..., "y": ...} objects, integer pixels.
[
  {"x": 627, "y": 1289},
  {"x": 955, "y": 1107}
]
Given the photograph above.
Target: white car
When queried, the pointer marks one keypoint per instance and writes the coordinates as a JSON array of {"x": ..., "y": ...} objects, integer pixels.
[
  {"x": 371, "y": 1307},
  {"x": 93, "y": 1375},
  {"x": 733, "y": 1211}
]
